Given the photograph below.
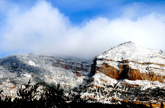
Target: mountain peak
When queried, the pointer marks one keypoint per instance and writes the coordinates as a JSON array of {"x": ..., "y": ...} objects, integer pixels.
[
  {"x": 134, "y": 52},
  {"x": 130, "y": 43},
  {"x": 131, "y": 62}
]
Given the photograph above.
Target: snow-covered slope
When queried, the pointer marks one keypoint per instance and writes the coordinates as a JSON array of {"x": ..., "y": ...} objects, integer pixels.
[
  {"x": 43, "y": 68},
  {"x": 19, "y": 69},
  {"x": 132, "y": 61},
  {"x": 127, "y": 72},
  {"x": 133, "y": 52}
]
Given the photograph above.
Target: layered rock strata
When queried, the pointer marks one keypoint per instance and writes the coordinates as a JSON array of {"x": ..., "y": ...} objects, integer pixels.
[{"x": 131, "y": 61}]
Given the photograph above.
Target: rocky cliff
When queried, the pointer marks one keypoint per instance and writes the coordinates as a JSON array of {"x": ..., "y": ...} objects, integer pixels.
[
  {"x": 131, "y": 61},
  {"x": 128, "y": 72}
]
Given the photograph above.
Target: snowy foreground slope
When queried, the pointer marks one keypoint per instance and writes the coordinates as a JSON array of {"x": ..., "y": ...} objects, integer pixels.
[{"x": 126, "y": 72}]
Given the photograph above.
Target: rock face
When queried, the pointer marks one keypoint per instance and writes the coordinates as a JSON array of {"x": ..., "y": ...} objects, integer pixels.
[
  {"x": 131, "y": 61},
  {"x": 128, "y": 72}
]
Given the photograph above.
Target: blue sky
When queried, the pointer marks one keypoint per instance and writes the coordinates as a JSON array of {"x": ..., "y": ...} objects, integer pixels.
[
  {"x": 80, "y": 10},
  {"x": 80, "y": 28}
]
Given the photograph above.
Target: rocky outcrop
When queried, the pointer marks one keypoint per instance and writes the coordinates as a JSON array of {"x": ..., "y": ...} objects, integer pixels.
[
  {"x": 131, "y": 61},
  {"x": 125, "y": 71}
]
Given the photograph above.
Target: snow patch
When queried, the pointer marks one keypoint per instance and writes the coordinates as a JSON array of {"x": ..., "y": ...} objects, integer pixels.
[{"x": 32, "y": 63}]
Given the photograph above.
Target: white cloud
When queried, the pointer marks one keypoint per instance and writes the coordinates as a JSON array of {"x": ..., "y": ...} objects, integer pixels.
[{"x": 44, "y": 29}]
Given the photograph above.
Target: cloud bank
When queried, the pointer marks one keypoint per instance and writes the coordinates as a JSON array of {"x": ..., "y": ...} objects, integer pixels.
[{"x": 44, "y": 29}]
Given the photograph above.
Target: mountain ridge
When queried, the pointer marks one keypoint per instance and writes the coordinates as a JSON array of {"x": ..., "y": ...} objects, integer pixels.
[{"x": 118, "y": 69}]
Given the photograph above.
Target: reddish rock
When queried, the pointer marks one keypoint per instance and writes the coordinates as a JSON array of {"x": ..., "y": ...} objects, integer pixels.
[
  {"x": 131, "y": 61},
  {"x": 125, "y": 71}
]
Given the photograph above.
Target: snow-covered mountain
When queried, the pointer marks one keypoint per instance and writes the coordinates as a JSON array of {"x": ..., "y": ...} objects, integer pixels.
[
  {"x": 16, "y": 70},
  {"x": 131, "y": 61},
  {"x": 126, "y": 72}
]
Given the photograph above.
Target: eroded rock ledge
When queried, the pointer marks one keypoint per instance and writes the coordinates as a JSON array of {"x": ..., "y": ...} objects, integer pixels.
[{"x": 124, "y": 70}]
